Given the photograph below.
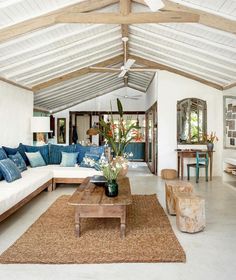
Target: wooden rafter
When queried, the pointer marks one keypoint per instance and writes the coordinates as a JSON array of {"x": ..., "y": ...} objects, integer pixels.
[
  {"x": 77, "y": 73},
  {"x": 205, "y": 18},
  {"x": 125, "y": 9},
  {"x": 229, "y": 86},
  {"x": 49, "y": 19},
  {"x": 132, "y": 18},
  {"x": 14, "y": 83},
  {"x": 176, "y": 71}
]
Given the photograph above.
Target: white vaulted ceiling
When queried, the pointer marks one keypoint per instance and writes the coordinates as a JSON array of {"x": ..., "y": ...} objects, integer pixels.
[{"x": 54, "y": 60}]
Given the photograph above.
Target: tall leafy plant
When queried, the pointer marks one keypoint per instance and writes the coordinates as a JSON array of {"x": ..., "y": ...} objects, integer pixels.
[{"x": 119, "y": 134}]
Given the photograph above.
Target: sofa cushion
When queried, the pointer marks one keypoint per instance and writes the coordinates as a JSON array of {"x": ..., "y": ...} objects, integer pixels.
[
  {"x": 35, "y": 159},
  {"x": 56, "y": 150},
  {"x": 19, "y": 161},
  {"x": 88, "y": 149},
  {"x": 32, "y": 179},
  {"x": 3, "y": 155},
  {"x": 9, "y": 170},
  {"x": 44, "y": 151},
  {"x": 13, "y": 151},
  {"x": 69, "y": 159},
  {"x": 88, "y": 162}
]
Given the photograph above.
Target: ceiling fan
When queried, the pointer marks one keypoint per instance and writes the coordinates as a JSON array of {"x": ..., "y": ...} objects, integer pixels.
[
  {"x": 126, "y": 67},
  {"x": 154, "y": 5}
]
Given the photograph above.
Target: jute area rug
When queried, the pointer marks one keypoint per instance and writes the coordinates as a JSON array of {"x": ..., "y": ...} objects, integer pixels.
[{"x": 51, "y": 239}]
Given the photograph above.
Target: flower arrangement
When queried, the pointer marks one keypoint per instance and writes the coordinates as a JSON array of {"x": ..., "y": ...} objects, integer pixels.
[
  {"x": 210, "y": 138},
  {"x": 118, "y": 134},
  {"x": 111, "y": 170}
]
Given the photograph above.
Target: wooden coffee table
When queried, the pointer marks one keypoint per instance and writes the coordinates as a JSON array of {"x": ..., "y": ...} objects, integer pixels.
[{"x": 90, "y": 201}]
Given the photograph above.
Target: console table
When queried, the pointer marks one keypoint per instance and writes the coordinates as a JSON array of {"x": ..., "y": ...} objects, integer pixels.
[{"x": 181, "y": 154}]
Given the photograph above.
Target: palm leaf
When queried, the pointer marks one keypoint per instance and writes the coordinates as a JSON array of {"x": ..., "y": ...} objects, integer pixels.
[{"x": 120, "y": 107}]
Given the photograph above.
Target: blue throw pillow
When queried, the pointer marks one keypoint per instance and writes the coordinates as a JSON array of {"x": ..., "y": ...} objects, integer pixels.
[
  {"x": 13, "y": 151},
  {"x": 35, "y": 159},
  {"x": 69, "y": 159},
  {"x": 56, "y": 150},
  {"x": 88, "y": 162},
  {"x": 9, "y": 170},
  {"x": 88, "y": 149},
  {"x": 19, "y": 161},
  {"x": 96, "y": 157},
  {"x": 44, "y": 151},
  {"x": 3, "y": 155}
]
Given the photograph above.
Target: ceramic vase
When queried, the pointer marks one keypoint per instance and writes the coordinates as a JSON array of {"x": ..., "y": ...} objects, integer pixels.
[
  {"x": 111, "y": 188},
  {"x": 210, "y": 146}
]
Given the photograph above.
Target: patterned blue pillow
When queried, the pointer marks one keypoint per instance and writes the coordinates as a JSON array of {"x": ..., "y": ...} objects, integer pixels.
[
  {"x": 9, "y": 170},
  {"x": 82, "y": 150},
  {"x": 13, "y": 151},
  {"x": 56, "y": 150},
  {"x": 19, "y": 161},
  {"x": 69, "y": 159},
  {"x": 96, "y": 157},
  {"x": 3, "y": 155},
  {"x": 88, "y": 162},
  {"x": 97, "y": 150},
  {"x": 35, "y": 159},
  {"x": 44, "y": 151}
]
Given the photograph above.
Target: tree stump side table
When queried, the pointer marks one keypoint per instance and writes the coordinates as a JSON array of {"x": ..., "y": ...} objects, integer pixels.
[
  {"x": 172, "y": 187},
  {"x": 190, "y": 212}
]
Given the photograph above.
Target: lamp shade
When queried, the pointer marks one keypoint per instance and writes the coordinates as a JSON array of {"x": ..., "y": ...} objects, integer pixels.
[
  {"x": 155, "y": 5},
  {"x": 40, "y": 124}
]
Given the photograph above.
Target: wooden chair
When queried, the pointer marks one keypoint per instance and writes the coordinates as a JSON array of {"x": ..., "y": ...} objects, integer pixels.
[{"x": 202, "y": 161}]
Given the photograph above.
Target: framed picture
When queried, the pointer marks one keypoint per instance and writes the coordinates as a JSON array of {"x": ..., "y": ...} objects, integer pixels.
[
  {"x": 61, "y": 130},
  {"x": 229, "y": 122}
]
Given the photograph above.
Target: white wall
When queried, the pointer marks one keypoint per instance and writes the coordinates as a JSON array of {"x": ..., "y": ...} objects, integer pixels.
[
  {"x": 171, "y": 88},
  {"x": 102, "y": 103},
  {"x": 152, "y": 92},
  {"x": 16, "y": 110}
]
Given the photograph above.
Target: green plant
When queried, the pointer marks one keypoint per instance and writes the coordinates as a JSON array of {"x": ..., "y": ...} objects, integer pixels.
[
  {"x": 111, "y": 170},
  {"x": 119, "y": 134}
]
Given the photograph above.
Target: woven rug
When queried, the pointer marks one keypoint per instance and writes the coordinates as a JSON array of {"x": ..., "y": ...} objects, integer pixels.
[{"x": 51, "y": 239}]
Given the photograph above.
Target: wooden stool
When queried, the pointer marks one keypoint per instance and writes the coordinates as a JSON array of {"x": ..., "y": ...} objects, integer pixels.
[
  {"x": 190, "y": 212},
  {"x": 169, "y": 174},
  {"x": 171, "y": 187}
]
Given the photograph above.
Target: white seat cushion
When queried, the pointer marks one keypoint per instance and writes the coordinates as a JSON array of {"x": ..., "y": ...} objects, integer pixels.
[{"x": 12, "y": 193}]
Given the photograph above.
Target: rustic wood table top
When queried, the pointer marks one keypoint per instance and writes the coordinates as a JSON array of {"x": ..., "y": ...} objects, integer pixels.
[{"x": 90, "y": 194}]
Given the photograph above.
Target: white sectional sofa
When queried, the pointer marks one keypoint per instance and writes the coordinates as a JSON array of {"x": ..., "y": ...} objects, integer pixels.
[{"x": 34, "y": 180}]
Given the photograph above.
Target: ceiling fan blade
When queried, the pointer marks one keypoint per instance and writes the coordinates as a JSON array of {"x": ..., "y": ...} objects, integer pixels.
[
  {"x": 154, "y": 5},
  {"x": 129, "y": 63},
  {"x": 143, "y": 70},
  {"x": 122, "y": 74}
]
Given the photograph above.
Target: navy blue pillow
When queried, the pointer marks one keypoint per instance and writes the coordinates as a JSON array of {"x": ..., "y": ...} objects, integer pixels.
[
  {"x": 13, "y": 151},
  {"x": 9, "y": 170},
  {"x": 97, "y": 150},
  {"x": 56, "y": 150},
  {"x": 3, "y": 155},
  {"x": 88, "y": 162},
  {"x": 19, "y": 161},
  {"x": 44, "y": 151}
]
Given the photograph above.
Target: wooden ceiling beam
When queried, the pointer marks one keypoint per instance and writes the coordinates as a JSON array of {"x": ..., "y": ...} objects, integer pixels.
[
  {"x": 205, "y": 18},
  {"x": 160, "y": 66},
  {"x": 15, "y": 84},
  {"x": 49, "y": 19},
  {"x": 229, "y": 86},
  {"x": 131, "y": 18},
  {"x": 77, "y": 73}
]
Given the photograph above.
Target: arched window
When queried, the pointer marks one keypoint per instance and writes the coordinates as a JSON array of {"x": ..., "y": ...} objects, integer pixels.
[{"x": 191, "y": 121}]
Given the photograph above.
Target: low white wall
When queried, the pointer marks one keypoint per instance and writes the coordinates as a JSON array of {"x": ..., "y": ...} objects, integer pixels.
[
  {"x": 171, "y": 88},
  {"x": 16, "y": 110}
]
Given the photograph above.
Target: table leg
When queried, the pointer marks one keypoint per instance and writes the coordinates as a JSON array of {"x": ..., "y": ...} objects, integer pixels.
[
  {"x": 123, "y": 223},
  {"x": 182, "y": 166},
  {"x": 77, "y": 223},
  {"x": 178, "y": 159},
  {"x": 211, "y": 160}
]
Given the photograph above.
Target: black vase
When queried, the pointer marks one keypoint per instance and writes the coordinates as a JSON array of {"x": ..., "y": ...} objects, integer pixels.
[{"x": 111, "y": 188}]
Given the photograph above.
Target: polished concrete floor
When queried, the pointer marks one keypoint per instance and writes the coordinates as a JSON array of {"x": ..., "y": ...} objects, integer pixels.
[{"x": 210, "y": 254}]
